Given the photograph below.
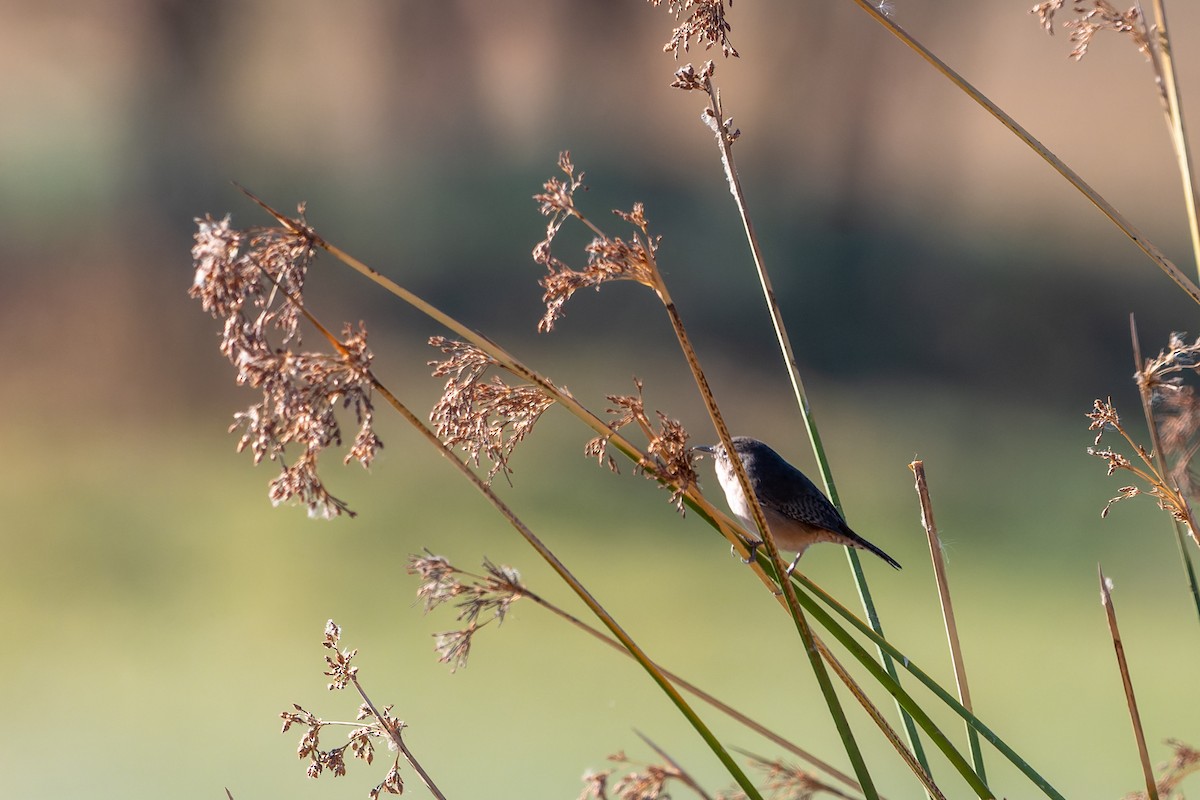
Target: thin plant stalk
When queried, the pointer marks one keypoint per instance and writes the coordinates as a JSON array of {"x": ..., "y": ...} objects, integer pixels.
[
  {"x": 1106, "y": 208},
  {"x": 943, "y": 586},
  {"x": 548, "y": 555},
  {"x": 702, "y": 695},
  {"x": 1127, "y": 682},
  {"x": 1164, "y": 69},
  {"x": 789, "y": 592},
  {"x": 1160, "y": 459},
  {"x": 398, "y": 740},
  {"x": 911, "y": 667},
  {"x": 931, "y": 789},
  {"x": 893, "y": 687},
  {"x": 694, "y": 499},
  {"x": 682, "y": 773},
  {"x": 719, "y": 124}
]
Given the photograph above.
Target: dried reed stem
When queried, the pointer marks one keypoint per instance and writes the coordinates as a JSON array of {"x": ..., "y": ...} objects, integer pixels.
[
  {"x": 889, "y": 733},
  {"x": 682, "y": 774},
  {"x": 1164, "y": 70},
  {"x": 851, "y": 644},
  {"x": 702, "y": 695},
  {"x": 1127, "y": 683},
  {"x": 1106, "y": 208},
  {"x": 943, "y": 586},
  {"x": 720, "y": 125}
]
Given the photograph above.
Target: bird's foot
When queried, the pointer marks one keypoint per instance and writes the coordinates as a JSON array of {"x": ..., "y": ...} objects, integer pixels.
[{"x": 751, "y": 546}]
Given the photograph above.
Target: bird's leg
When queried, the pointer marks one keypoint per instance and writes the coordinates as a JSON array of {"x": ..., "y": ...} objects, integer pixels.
[
  {"x": 792, "y": 567},
  {"x": 751, "y": 545}
]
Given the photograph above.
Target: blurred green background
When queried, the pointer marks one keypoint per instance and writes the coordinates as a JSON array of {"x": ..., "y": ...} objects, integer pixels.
[{"x": 950, "y": 298}]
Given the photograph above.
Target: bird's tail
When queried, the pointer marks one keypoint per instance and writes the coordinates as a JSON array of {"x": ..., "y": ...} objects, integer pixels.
[{"x": 863, "y": 544}]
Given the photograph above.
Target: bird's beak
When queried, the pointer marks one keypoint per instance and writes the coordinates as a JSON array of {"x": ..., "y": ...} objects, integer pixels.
[{"x": 704, "y": 448}]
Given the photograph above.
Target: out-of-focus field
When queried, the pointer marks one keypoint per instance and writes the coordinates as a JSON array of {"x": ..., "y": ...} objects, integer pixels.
[
  {"x": 162, "y": 613},
  {"x": 949, "y": 297}
]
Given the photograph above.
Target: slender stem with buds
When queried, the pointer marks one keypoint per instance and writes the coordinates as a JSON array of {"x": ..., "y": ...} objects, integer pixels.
[{"x": 393, "y": 732}]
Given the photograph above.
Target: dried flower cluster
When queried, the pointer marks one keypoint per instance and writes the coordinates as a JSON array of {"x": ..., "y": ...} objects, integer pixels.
[
  {"x": 671, "y": 460},
  {"x": 651, "y": 782},
  {"x": 704, "y": 21},
  {"x": 481, "y": 417},
  {"x": 788, "y": 781},
  {"x": 359, "y": 739},
  {"x": 609, "y": 258},
  {"x": 689, "y": 80},
  {"x": 473, "y": 595},
  {"x": 252, "y": 281},
  {"x": 1103, "y": 418},
  {"x": 1094, "y": 16},
  {"x": 1184, "y": 762},
  {"x": 1175, "y": 407}
]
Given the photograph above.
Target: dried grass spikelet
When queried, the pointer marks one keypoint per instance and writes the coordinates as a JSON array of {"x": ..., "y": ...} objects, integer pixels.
[
  {"x": 704, "y": 22},
  {"x": 1093, "y": 16},
  {"x": 1104, "y": 418},
  {"x": 671, "y": 460},
  {"x": 609, "y": 258},
  {"x": 481, "y": 417},
  {"x": 252, "y": 281}
]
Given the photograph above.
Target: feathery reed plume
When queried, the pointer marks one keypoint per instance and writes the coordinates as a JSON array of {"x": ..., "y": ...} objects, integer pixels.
[
  {"x": 1104, "y": 417},
  {"x": 705, "y": 23},
  {"x": 673, "y": 462},
  {"x": 384, "y": 725},
  {"x": 251, "y": 280},
  {"x": 481, "y": 417}
]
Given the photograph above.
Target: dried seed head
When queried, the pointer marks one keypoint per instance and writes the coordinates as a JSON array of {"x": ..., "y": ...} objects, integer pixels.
[
  {"x": 482, "y": 418},
  {"x": 704, "y": 21},
  {"x": 670, "y": 459},
  {"x": 609, "y": 258},
  {"x": 689, "y": 80},
  {"x": 253, "y": 281},
  {"x": 1152, "y": 482},
  {"x": 1093, "y": 16},
  {"x": 475, "y": 595}
]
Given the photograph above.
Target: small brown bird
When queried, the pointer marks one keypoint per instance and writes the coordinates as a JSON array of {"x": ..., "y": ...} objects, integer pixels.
[{"x": 798, "y": 513}]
